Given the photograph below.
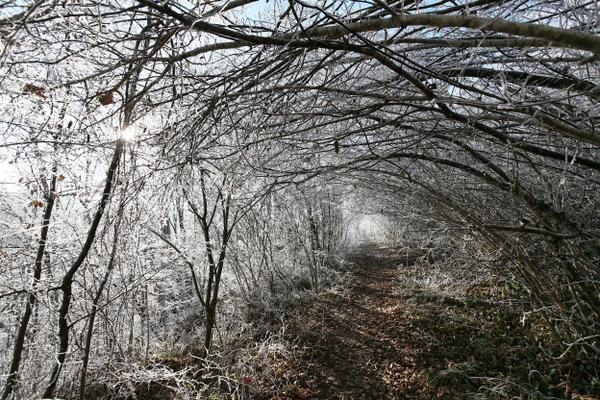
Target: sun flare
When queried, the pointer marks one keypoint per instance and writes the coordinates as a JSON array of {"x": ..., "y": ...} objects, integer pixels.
[{"x": 128, "y": 134}]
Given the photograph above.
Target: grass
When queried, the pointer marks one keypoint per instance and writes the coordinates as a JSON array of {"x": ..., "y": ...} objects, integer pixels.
[{"x": 482, "y": 348}]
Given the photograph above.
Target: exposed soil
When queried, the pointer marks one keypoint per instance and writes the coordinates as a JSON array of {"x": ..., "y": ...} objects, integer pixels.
[{"x": 359, "y": 343}]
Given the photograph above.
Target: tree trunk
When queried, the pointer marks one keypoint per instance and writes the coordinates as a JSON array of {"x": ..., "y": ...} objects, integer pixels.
[
  {"x": 67, "y": 282},
  {"x": 97, "y": 297},
  {"x": 210, "y": 324},
  {"x": 31, "y": 298}
]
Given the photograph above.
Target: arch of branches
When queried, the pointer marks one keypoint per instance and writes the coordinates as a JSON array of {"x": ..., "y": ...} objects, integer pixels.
[{"x": 481, "y": 113}]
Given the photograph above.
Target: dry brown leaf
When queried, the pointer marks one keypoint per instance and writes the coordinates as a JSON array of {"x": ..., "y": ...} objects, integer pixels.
[
  {"x": 37, "y": 203},
  {"x": 30, "y": 88},
  {"x": 106, "y": 98}
]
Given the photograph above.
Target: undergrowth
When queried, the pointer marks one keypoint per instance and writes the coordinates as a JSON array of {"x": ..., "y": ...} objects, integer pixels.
[{"x": 487, "y": 341}]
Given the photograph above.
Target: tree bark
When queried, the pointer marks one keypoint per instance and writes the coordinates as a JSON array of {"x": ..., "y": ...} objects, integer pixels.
[
  {"x": 67, "y": 282},
  {"x": 31, "y": 297},
  {"x": 95, "y": 302}
]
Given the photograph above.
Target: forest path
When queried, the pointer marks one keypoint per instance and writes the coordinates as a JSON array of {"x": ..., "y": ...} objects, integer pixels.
[
  {"x": 407, "y": 330},
  {"x": 361, "y": 343}
]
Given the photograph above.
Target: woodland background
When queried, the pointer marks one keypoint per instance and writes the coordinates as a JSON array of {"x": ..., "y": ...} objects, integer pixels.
[{"x": 175, "y": 174}]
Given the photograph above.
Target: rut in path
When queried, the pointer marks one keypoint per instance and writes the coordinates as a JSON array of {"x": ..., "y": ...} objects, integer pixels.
[{"x": 361, "y": 344}]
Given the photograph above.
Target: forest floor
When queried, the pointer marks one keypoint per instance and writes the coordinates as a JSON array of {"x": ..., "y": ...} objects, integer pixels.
[
  {"x": 384, "y": 337},
  {"x": 402, "y": 323}
]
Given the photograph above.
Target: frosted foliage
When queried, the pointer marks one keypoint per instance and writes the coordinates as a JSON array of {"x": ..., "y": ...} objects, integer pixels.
[{"x": 176, "y": 176}]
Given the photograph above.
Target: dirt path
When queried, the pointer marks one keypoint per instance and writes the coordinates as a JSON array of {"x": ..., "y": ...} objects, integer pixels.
[
  {"x": 359, "y": 343},
  {"x": 404, "y": 331}
]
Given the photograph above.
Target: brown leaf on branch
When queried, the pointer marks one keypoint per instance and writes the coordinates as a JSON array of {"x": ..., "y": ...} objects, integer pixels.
[
  {"x": 37, "y": 203},
  {"x": 30, "y": 88},
  {"x": 106, "y": 98}
]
